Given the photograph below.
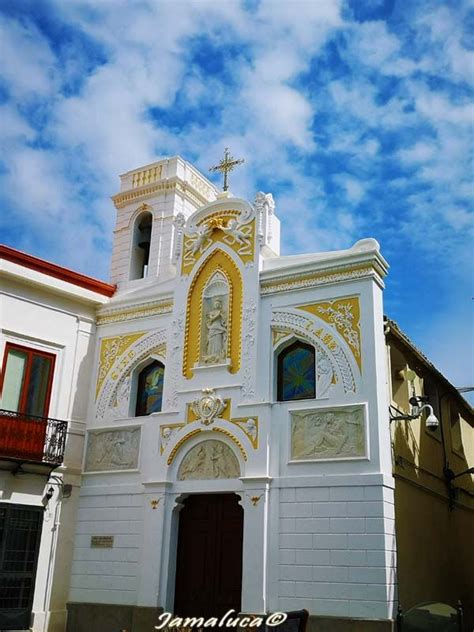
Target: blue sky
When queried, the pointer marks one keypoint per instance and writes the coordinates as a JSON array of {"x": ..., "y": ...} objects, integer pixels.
[{"x": 356, "y": 115}]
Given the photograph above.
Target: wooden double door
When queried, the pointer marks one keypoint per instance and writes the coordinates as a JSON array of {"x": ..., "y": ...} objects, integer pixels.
[{"x": 209, "y": 556}]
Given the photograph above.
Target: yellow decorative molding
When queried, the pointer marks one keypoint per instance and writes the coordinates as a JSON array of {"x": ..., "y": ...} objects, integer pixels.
[
  {"x": 148, "y": 309},
  {"x": 223, "y": 227},
  {"x": 222, "y": 262},
  {"x": 279, "y": 334},
  {"x": 232, "y": 438},
  {"x": 173, "y": 452},
  {"x": 234, "y": 213},
  {"x": 110, "y": 350},
  {"x": 344, "y": 315},
  {"x": 299, "y": 281}
]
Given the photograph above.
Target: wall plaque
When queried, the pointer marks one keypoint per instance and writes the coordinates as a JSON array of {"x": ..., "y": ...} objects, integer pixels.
[{"x": 102, "y": 541}]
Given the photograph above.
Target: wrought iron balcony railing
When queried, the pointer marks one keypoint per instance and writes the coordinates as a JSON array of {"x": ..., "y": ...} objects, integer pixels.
[{"x": 28, "y": 438}]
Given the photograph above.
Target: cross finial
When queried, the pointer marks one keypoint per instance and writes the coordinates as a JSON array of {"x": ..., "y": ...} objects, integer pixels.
[{"x": 225, "y": 165}]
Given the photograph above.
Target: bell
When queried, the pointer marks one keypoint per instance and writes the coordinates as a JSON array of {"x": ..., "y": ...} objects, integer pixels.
[{"x": 145, "y": 235}]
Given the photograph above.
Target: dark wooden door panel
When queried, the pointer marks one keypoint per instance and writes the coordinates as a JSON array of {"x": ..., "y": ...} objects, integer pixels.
[{"x": 209, "y": 557}]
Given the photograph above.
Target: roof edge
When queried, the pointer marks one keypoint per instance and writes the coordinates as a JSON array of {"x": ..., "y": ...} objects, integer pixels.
[
  {"x": 395, "y": 330},
  {"x": 58, "y": 272}
]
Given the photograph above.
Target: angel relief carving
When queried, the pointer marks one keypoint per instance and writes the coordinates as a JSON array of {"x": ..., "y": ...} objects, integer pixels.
[
  {"x": 334, "y": 434},
  {"x": 208, "y": 460},
  {"x": 112, "y": 450},
  {"x": 215, "y": 321},
  {"x": 236, "y": 232}
]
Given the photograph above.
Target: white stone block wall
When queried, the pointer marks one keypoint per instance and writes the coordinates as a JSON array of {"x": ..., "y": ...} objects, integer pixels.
[
  {"x": 108, "y": 575},
  {"x": 337, "y": 550}
]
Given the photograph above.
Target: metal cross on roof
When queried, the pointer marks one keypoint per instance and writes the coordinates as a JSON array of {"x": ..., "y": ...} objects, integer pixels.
[{"x": 228, "y": 163}]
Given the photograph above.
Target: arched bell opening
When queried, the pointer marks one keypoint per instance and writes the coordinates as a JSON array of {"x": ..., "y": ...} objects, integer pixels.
[{"x": 140, "y": 255}]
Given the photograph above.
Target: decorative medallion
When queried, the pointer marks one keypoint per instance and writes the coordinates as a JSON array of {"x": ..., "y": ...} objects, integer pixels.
[{"x": 208, "y": 407}]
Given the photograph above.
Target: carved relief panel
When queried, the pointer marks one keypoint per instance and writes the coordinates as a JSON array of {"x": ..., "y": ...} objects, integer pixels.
[
  {"x": 210, "y": 459},
  {"x": 328, "y": 434},
  {"x": 112, "y": 450}
]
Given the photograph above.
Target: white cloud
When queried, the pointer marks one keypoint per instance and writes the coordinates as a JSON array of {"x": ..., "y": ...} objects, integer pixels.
[
  {"x": 27, "y": 61},
  {"x": 354, "y": 189}
]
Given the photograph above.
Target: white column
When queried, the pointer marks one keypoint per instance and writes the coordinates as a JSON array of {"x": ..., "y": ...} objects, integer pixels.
[
  {"x": 254, "y": 563},
  {"x": 155, "y": 501}
]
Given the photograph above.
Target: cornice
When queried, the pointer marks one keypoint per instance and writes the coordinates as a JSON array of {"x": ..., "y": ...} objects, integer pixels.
[
  {"x": 131, "y": 312},
  {"x": 162, "y": 187},
  {"x": 297, "y": 280}
]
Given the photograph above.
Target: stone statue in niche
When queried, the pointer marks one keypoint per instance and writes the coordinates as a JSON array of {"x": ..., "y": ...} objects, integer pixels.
[
  {"x": 208, "y": 460},
  {"x": 215, "y": 319},
  {"x": 113, "y": 450},
  {"x": 327, "y": 434}
]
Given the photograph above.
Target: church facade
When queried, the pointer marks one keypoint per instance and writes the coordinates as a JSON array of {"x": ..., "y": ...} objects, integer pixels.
[{"x": 238, "y": 450}]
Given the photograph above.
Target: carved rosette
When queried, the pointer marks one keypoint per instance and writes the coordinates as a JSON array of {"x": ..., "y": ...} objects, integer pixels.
[{"x": 208, "y": 407}]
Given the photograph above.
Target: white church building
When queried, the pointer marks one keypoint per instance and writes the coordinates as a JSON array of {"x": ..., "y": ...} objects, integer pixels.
[
  {"x": 238, "y": 444},
  {"x": 222, "y": 428}
]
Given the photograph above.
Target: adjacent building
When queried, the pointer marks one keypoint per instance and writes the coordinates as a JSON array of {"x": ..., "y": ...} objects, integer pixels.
[{"x": 47, "y": 344}]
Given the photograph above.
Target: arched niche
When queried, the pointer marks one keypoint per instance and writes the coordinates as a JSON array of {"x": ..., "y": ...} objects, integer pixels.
[{"x": 218, "y": 272}]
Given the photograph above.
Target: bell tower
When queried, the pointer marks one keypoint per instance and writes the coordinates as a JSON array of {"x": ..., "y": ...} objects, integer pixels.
[{"x": 152, "y": 205}]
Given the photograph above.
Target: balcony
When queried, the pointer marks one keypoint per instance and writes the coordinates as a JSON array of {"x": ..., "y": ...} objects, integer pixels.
[{"x": 31, "y": 443}]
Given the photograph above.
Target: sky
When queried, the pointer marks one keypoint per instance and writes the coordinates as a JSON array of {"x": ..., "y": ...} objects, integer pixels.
[{"x": 355, "y": 114}]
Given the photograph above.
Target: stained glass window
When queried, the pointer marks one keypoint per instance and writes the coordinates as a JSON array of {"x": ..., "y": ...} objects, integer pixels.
[
  {"x": 150, "y": 389},
  {"x": 296, "y": 372}
]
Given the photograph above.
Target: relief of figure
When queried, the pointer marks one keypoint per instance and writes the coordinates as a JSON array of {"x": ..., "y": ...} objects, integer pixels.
[
  {"x": 326, "y": 434},
  {"x": 194, "y": 467},
  {"x": 209, "y": 460},
  {"x": 251, "y": 428},
  {"x": 113, "y": 450},
  {"x": 202, "y": 240},
  {"x": 324, "y": 373},
  {"x": 234, "y": 230},
  {"x": 219, "y": 465}
]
